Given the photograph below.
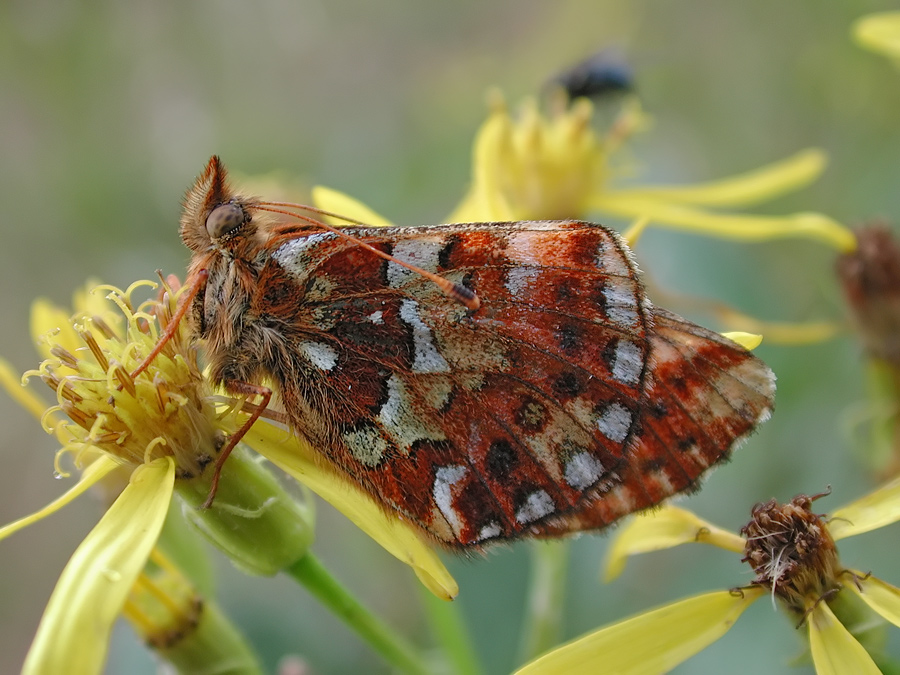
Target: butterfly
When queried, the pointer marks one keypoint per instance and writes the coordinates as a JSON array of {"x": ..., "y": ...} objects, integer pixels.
[{"x": 484, "y": 381}]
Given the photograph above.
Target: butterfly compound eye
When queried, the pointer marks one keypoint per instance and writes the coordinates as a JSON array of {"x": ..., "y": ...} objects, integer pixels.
[{"x": 224, "y": 220}]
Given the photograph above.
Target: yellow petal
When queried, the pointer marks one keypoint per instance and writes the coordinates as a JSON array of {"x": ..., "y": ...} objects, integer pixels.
[
  {"x": 12, "y": 383},
  {"x": 877, "y": 594},
  {"x": 654, "y": 642},
  {"x": 752, "y": 187},
  {"x": 485, "y": 200},
  {"x": 782, "y": 333},
  {"x": 93, "y": 473},
  {"x": 662, "y": 528},
  {"x": 742, "y": 227},
  {"x": 880, "y": 33},
  {"x": 875, "y": 510},
  {"x": 73, "y": 635},
  {"x": 834, "y": 650},
  {"x": 345, "y": 205},
  {"x": 295, "y": 457},
  {"x": 745, "y": 340},
  {"x": 48, "y": 318},
  {"x": 635, "y": 230}
]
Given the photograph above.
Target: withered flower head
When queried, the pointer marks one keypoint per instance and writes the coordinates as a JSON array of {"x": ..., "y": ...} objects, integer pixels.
[
  {"x": 792, "y": 552},
  {"x": 870, "y": 275}
]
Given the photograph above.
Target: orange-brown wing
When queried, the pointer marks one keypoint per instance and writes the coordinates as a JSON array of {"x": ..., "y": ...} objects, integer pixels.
[{"x": 523, "y": 416}]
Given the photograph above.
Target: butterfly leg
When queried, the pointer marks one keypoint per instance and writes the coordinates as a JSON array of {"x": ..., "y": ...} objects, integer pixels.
[
  {"x": 240, "y": 388},
  {"x": 172, "y": 327}
]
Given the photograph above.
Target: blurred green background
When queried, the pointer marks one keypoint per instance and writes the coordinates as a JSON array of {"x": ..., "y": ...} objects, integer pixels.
[{"x": 109, "y": 109}]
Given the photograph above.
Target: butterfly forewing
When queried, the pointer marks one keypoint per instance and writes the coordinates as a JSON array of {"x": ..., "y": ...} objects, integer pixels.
[{"x": 564, "y": 401}]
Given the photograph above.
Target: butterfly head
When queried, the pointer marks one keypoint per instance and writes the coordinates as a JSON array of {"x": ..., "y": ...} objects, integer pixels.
[{"x": 214, "y": 216}]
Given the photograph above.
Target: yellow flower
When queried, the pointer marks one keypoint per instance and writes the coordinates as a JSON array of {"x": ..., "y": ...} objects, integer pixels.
[
  {"x": 163, "y": 429},
  {"x": 792, "y": 551}
]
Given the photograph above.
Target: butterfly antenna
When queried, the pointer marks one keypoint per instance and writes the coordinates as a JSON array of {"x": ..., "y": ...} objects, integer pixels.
[
  {"x": 452, "y": 290},
  {"x": 313, "y": 209}
]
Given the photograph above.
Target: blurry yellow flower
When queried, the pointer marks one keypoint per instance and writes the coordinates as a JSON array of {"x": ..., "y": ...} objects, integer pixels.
[
  {"x": 792, "y": 552},
  {"x": 558, "y": 167},
  {"x": 162, "y": 430},
  {"x": 880, "y": 33}
]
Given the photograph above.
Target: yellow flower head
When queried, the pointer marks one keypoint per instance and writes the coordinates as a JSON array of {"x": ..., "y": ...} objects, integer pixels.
[
  {"x": 536, "y": 166},
  {"x": 166, "y": 411},
  {"x": 170, "y": 411}
]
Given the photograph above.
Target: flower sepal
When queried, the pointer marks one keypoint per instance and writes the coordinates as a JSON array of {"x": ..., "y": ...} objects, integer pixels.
[
  {"x": 186, "y": 629},
  {"x": 253, "y": 519}
]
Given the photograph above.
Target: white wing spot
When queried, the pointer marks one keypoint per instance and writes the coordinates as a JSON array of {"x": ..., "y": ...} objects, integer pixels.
[
  {"x": 419, "y": 252},
  {"x": 621, "y": 305},
  {"x": 376, "y": 317},
  {"x": 621, "y": 499},
  {"x": 628, "y": 361},
  {"x": 321, "y": 355},
  {"x": 292, "y": 255},
  {"x": 444, "y": 480},
  {"x": 525, "y": 249},
  {"x": 366, "y": 445},
  {"x": 426, "y": 358},
  {"x": 520, "y": 278},
  {"x": 400, "y": 419},
  {"x": 611, "y": 260},
  {"x": 489, "y": 531},
  {"x": 614, "y": 422},
  {"x": 662, "y": 479},
  {"x": 583, "y": 470},
  {"x": 537, "y": 505}
]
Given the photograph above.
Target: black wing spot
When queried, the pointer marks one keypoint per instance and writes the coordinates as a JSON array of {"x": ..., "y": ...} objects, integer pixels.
[
  {"x": 569, "y": 337},
  {"x": 445, "y": 255},
  {"x": 567, "y": 385},
  {"x": 501, "y": 459}
]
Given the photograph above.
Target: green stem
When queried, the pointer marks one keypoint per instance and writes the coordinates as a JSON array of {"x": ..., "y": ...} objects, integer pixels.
[
  {"x": 543, "y": 616},
  {"x": 450, "y": 630},
  {"x": 309, "y": 572}
]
